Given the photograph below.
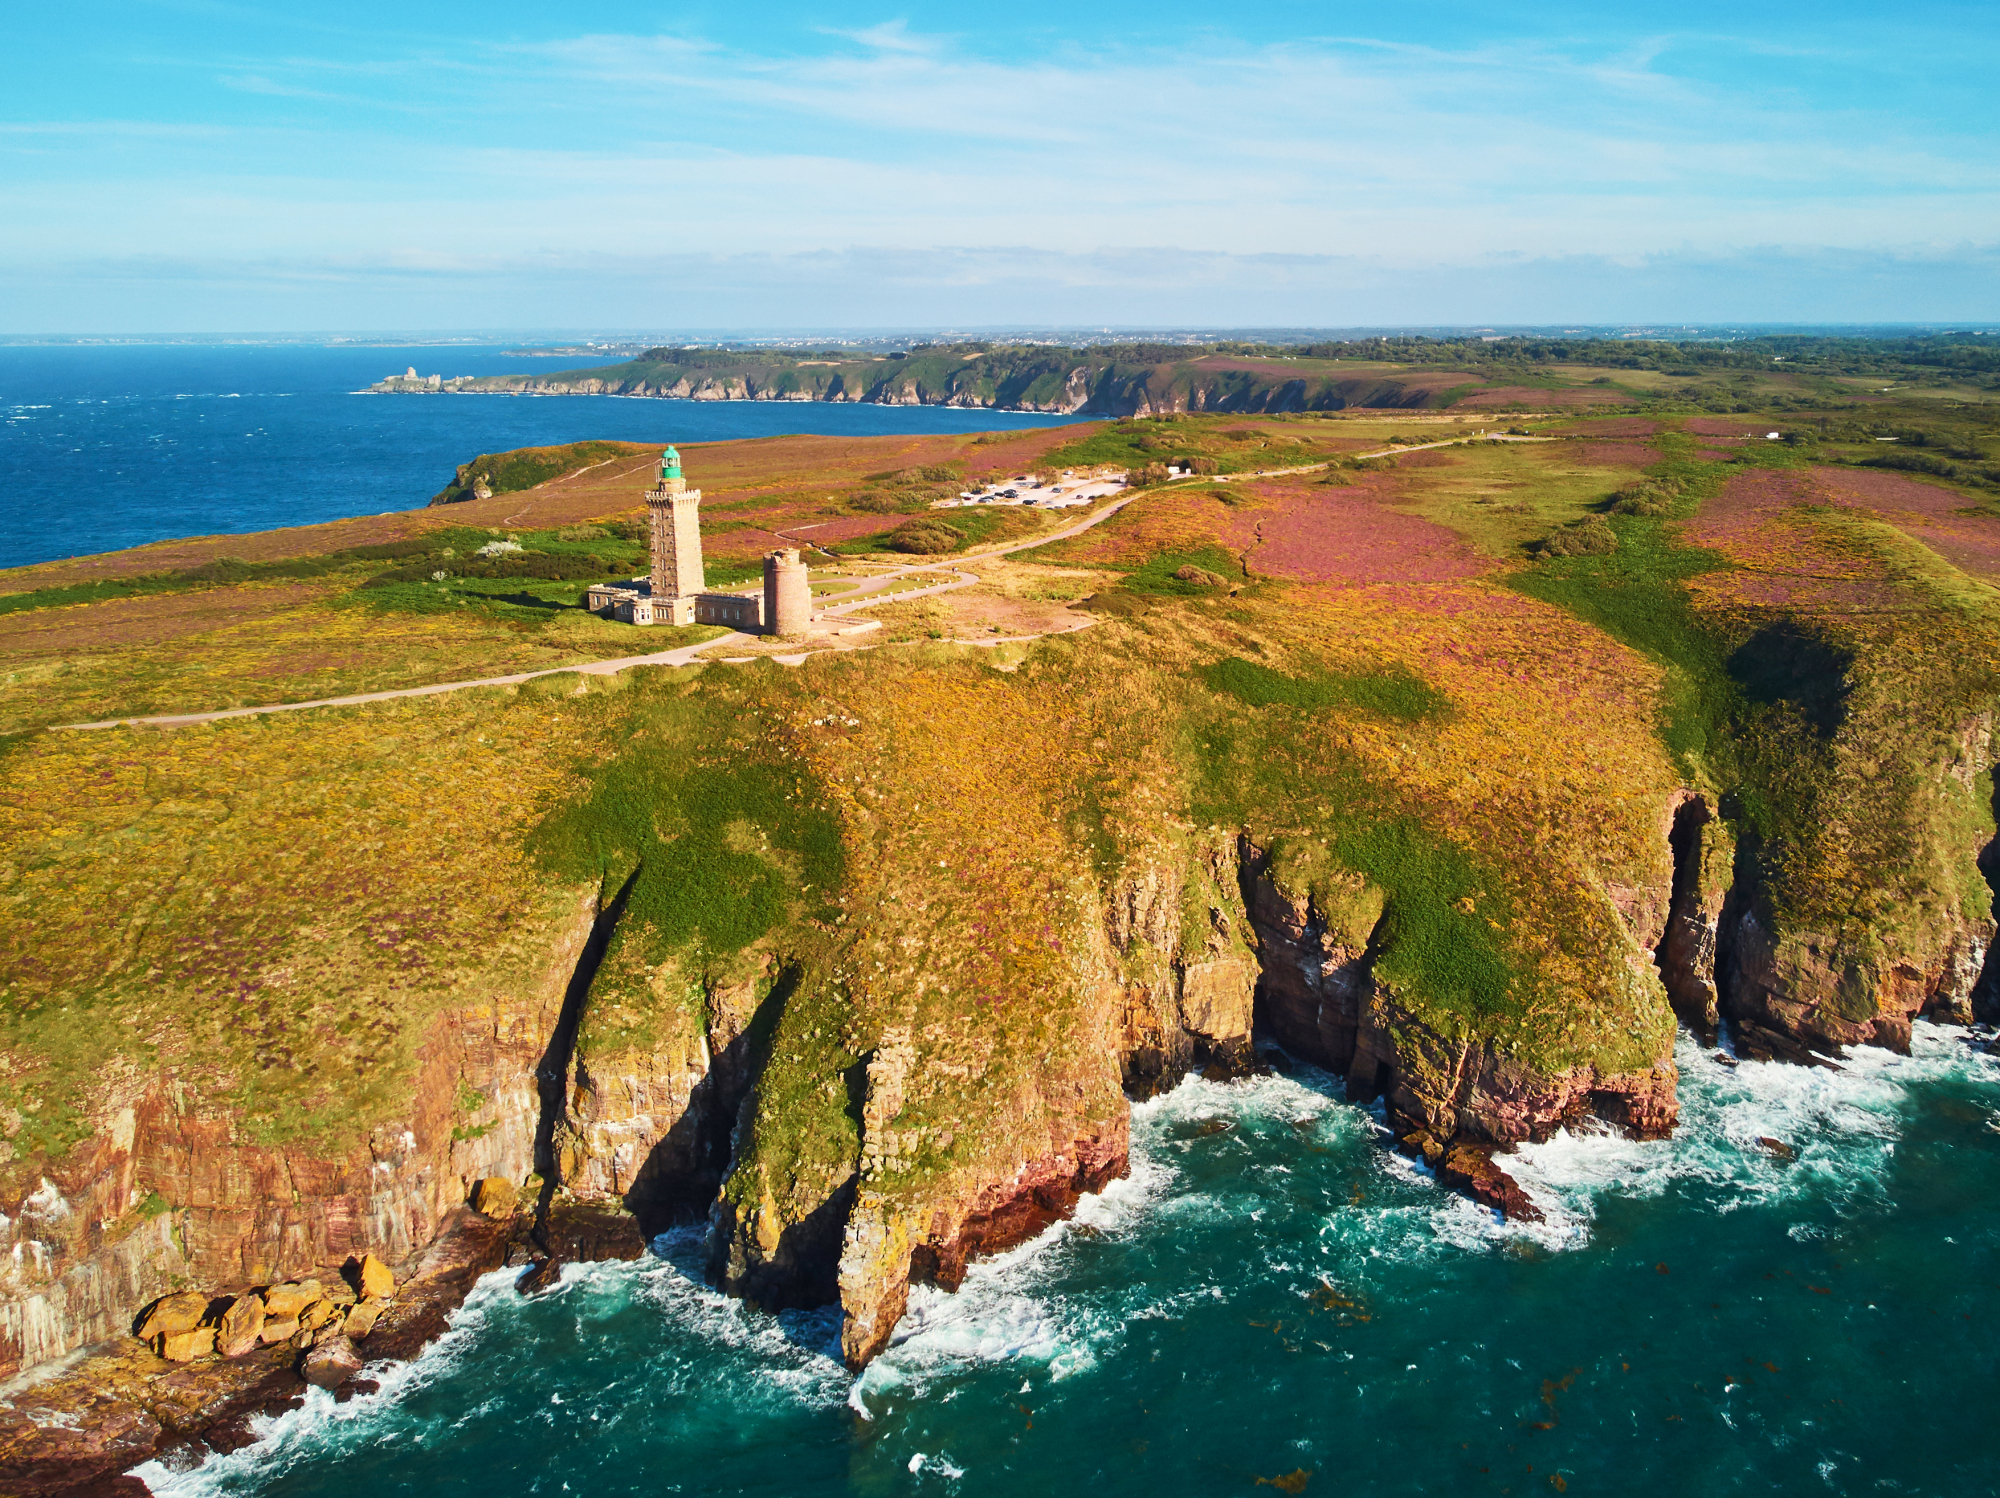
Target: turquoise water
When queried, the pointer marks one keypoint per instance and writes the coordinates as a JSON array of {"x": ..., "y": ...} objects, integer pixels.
[
  {"x": 1273, "y": 1292},
  {"x": 107, "y": 447}
]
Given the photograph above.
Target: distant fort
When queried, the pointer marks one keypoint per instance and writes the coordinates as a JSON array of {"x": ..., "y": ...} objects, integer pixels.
[{"x": 676, "y": 593}]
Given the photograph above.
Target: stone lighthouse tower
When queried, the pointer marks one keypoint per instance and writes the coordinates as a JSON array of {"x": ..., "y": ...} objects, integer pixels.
[{"x": 674, "y": 509}]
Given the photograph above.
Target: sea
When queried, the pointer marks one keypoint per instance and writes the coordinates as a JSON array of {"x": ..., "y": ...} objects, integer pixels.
[
  {"x": 104, "y": 446},
  {"x": 1792, "y": 1295}
]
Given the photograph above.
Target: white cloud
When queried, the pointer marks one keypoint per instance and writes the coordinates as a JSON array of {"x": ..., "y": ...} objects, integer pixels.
[{"x": 1319, "y": 152}]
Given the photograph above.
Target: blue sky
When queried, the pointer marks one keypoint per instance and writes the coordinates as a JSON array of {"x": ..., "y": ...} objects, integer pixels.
[{"x": 188, "y": 164}]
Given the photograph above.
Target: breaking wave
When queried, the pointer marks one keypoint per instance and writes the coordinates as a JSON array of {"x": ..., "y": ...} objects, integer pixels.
[{"x": 1263, "y": 1219}]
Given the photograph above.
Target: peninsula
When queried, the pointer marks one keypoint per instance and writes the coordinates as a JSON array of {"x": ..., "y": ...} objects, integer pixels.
[
  {"x": 1467, "y": 755},
  {"x": 1472, "y": 374}
]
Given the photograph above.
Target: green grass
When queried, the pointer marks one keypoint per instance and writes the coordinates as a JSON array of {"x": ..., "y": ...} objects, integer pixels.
[
  {"x": 725, "y": 833},
  {"x": 1403, "y": 696},
  {"x": 1439, "y": 943},
  {"x": 523, "y": 468},
  {"x": 1155, "y": 577},
  {"x": 450, "y": 550}
]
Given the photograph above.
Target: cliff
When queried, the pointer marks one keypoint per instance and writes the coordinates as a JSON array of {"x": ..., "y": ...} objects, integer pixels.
[{"x": 1128, "y": 382}]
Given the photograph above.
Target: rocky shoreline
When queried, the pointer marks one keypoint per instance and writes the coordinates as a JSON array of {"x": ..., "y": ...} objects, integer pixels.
[{"x": 79, "y": 1430}]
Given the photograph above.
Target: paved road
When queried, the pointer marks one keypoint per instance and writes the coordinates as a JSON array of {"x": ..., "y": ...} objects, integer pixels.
[{"x": 682, "y": 656}]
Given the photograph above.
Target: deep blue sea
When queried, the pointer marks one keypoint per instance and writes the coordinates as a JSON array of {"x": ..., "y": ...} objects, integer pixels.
[
  {"x": 1275, "y": 1295},
  {"x": 103, "y": 447}
]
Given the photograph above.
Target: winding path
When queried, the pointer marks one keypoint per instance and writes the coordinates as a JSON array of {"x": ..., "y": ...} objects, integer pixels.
[{"x": 868, "y": 593}]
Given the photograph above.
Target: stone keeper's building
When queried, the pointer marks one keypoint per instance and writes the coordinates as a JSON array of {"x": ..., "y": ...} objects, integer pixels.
[{"x": 675, "y": 593}]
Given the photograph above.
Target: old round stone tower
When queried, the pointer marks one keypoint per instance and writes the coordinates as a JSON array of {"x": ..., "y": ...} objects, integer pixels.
[{"x": 787, "y": 594}]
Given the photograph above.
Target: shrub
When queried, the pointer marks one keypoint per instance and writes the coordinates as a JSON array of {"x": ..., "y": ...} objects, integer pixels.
[
  {"x": 1201, "y": 577},
  {"x": 1914, "y": 463},
  {"x": 1591, "y": 536},
  {"x": 1652, "y": 497},
  {"x": 1392, "y": 694},
  {"x": 1152, "y": 473},
  {"x": 925, "y": 536}
]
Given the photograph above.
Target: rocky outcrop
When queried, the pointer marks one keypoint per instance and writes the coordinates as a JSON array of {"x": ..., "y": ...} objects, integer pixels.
[
  {"x": 894, "y": 1238},
  {"x": 1791, "y": 992},
  {"x": 1796, "y": 995},
  {"x": 171, "y": 1187},
  {"x": 123, "y": 1405},
  {"x": 1704, "y": 873},
  {"x": 1451, "y": 1099},
  {"x": 1177, "y": 962},
  {"x": 1319, "y": 998}
]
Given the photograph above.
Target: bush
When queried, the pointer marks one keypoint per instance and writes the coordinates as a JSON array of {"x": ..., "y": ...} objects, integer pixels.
[
  {"x": 1591, "y": 536},
  {"x": 876, "y": 502},
  {"x": 926, "y": 536},
  {"x": 1914, "y": 463},
  {"x": 1201, "y": 577},
  {"x": 1152, "y": 473},
  {"x": 1652, "y": 497}
]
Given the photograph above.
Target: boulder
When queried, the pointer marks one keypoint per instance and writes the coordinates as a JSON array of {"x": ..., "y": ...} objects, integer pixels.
[
  {"x": 591, "y": 1233},
  {"x": 330, "y": 1363},
  {"x": 1470, "y": 1168},
  {"x": 278, "y": 1329},
  {"x": 242, "y": 1327},
  {"x": 371, "y": 1278},
  {"x": 361, "y": 1320},
  {"x": 318, "y": 1314},
  {"x": 539, "y": 1275},
  {"x": 495, "y": 1196},
  {"x": 185, "y": 1347},
  {"x": 171, "y": 1315},
  {"x": 290, "y": 1298}
]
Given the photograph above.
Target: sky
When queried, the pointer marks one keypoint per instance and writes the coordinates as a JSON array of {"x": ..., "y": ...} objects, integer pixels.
[{"x": 183, "y": 165}]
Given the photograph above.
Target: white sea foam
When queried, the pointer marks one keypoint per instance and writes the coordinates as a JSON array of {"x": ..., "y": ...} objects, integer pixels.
[
  {"x": 792, "y": 1359},
  {"x": 1305, "y": 1157},
  {"x": 1758, "y": 1131},
  {"x": 321, "y": 1426},
  {"x": 1749, "y": 1132}
]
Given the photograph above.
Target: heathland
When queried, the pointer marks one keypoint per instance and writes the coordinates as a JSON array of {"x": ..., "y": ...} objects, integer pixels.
[{"x": 1465, "y": 766}]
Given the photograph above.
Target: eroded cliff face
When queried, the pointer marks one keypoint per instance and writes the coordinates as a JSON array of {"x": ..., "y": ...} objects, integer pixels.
[
  {"x": 1805, "y": 992},
  {"x": 1321, "y": 998},
  {"x": 1082, "y": 389},
  {"x": 172, "y": 1191}
]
